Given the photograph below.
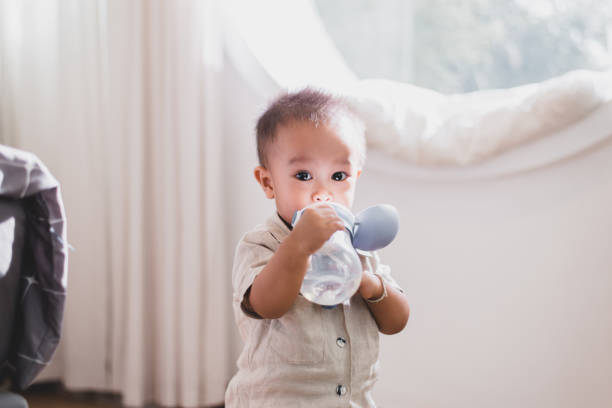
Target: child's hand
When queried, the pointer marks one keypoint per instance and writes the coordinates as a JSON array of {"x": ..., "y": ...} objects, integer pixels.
[
  {"x": 370, "y": 287},
  {"x": 316, "y": 224}
]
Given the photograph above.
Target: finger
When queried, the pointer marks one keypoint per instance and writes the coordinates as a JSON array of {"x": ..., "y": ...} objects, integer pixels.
[
  {"x": 338, "y": 224},
  {"x": 320, "y": 209},
  {"x": 320, "y": 205}
]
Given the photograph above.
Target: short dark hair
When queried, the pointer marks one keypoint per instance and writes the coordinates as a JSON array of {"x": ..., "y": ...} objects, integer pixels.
[{"x": 308, "y": 105}]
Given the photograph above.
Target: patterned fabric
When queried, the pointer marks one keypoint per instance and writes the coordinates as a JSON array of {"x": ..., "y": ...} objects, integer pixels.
[{"x": 35, "y": 252}]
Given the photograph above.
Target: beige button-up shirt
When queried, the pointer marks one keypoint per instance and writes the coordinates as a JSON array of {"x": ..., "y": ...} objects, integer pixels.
[{"x": 310, "y": 357}]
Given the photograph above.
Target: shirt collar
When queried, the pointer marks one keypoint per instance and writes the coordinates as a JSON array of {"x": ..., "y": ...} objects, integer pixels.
[
  {"x": 288, "y": 225},
  {"x": 278, "y": 227}
]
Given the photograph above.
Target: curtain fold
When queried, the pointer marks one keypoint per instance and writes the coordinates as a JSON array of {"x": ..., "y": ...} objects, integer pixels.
[{"x": 122, "y": 100}]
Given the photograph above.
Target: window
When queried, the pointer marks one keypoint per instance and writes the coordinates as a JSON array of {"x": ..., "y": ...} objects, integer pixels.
[{"x": 462, "y": 46}]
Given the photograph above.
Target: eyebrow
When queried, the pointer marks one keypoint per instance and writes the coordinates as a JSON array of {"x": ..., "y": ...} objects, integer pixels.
[
  {"x": 298, "y": 159},
  {"x": 301, "y": 159}
]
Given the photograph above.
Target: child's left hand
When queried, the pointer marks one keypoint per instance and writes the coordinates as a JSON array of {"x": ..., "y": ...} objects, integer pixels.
[
  {"x": 391, "y": 315},
  {"x": 370, "y": 287}
]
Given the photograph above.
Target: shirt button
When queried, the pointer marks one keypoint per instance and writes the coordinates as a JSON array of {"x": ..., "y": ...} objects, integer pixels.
[
  {"x": 340, "y": 342},
  {"x": 341, "y": 390}
]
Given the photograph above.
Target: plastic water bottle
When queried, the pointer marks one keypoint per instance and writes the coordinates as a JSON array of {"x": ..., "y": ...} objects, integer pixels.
[{"x": 334, "y": 273}]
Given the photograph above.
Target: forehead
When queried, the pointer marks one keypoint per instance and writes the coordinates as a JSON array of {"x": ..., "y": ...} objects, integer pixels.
[{"x": 300, "y": 140}]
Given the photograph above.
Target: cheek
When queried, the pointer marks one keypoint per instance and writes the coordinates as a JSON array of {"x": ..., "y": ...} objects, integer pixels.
[
  {"x": 347, "y": 187},
  {"x": 295, "y": 194},
  {"x": 345, "y": 192},
  {"x": 296, "y": 188}
]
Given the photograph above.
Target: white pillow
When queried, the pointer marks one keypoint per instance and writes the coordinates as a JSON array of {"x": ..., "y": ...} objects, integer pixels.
[{"x": 429, "y": 128}]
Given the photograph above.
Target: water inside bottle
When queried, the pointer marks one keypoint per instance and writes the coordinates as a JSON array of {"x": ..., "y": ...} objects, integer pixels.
[{"x": 334, "y": 273}]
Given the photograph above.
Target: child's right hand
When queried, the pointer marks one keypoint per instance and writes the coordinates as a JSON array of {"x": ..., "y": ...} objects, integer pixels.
[{"x": 316, "y": 224}]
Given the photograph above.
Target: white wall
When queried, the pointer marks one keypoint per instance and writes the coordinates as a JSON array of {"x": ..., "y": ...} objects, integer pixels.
[{"x": 509, "y": 282}]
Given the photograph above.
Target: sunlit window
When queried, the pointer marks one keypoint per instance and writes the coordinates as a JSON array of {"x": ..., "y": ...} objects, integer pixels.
[{"x": 462, "y": 46}]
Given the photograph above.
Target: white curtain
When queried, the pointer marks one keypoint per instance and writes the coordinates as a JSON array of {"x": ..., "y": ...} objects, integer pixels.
[{"x": 122, "y": 101}]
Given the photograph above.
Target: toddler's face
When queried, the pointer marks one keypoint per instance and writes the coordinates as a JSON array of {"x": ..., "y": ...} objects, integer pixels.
[{"x": 308, "y": 164}]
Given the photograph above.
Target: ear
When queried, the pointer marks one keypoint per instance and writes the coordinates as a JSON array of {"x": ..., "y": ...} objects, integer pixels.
[
  {"x": 264, "y": 178},
  {"x": 358, "y": 173}
]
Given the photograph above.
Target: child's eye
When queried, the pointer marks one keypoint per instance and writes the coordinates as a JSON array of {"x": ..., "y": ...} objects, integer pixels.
[
  {"x": 339, "y": 176},
  {"x": 303, "y": 176}
]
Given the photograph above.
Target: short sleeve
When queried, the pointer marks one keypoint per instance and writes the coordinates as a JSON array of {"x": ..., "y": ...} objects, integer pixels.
[
  {"x": 252, "y": 254},
  {"x": 373, "y": 261}
]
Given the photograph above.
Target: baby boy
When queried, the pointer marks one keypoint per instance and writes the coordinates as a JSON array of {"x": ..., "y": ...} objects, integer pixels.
[{"x": 311, "y": 151}]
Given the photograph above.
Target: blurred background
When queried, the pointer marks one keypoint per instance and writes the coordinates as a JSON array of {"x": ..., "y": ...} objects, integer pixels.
[
  {"x": 464, "y": 46},
  {"x": 144, "y": 111}
]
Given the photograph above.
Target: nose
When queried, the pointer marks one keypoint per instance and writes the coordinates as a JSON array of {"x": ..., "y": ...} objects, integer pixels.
[{"x": 321, "y": 195}]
